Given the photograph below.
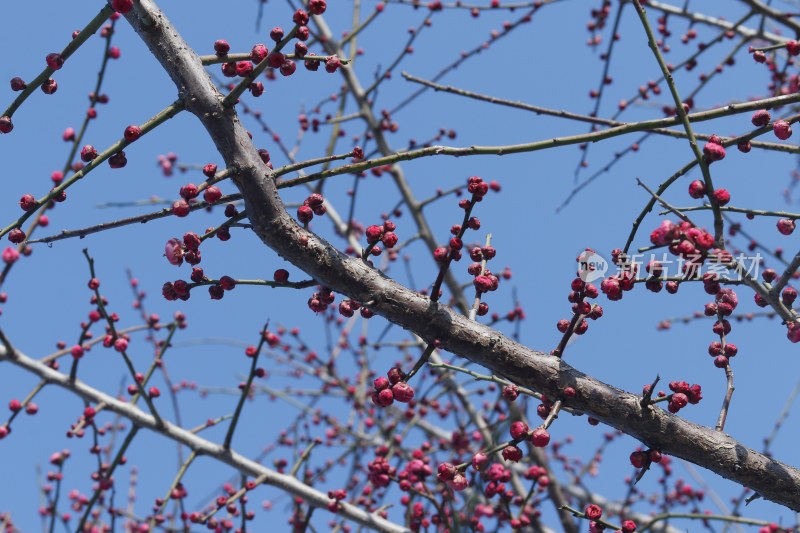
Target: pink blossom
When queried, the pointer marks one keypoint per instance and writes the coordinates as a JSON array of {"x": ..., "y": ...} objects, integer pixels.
[
  {"x": 10, "y": 255},
  {"x": 174, "y": 252}
]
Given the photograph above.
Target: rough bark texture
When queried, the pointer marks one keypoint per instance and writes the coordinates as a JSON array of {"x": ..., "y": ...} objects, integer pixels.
[{"x": 352, "y": 277}]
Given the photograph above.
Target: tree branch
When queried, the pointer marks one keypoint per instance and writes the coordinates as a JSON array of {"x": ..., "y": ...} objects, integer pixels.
[{"x": 197, "y": 444}]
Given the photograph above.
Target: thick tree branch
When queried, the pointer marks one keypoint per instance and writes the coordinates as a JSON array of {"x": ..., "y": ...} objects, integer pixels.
[{"x": 654, "y": 427}]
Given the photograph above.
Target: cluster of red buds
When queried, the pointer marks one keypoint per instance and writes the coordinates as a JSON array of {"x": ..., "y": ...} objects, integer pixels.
[
  {"x": 380, "y": 470},
  {"x": 451, "y": 476},
  {"x": 697, "y": 190},
  {"x": 477, "y": 187},
  {"x": 15, "y": 406},
  {"x": 321, "y": 299},
  {"x": 313, "y": 205},
  {"x": 682, "y": 395},
  {"x": 177, "y": 251},
  {"x": 643, "y": 459},
  {"x": 451, "y": 252},
  {"x": 485, "y": 280},
  {"x": 391, "y": 388},
  {"x": 497, "y": 476},
  {"x": 520, "y": 431},
  {"x": 188, "y": 249},
  {"x": 336, "y": 497},
  {"x": 415, "y": 472},
  {"x": 190, "y": 192},
  {"x": 692, "y": 244},
  {"x": 182, "y": 207},
  {"x": 725, "y": 301},
  {"x": 614, "y": 286},
  {"x": 581, "y": 291},
  {"x": 684, "y": 239},
  {"x": 347, "y": 308},
  {"x": 276, "y": 59},
  {"x": 384, "y": 234}
]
